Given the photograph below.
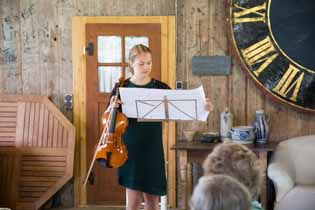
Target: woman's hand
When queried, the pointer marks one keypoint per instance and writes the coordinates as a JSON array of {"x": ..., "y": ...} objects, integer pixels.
[
  {"x": 208, "y": 105},
  {"x": 115, "y": 102}
]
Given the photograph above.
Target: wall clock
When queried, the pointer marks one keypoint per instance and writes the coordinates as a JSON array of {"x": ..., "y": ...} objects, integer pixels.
[{"x": 274, "y": 40}]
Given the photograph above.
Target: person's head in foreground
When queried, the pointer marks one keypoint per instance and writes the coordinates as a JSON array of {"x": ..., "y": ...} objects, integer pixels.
[
  {"x": 238, "y": 161},
  {"x": 220, "y": 192}
]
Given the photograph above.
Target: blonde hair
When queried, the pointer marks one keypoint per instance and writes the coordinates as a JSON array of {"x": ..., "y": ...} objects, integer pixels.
[
  {"x": 237, "y": 161},
  {"x": 220, "y": 192},
  {"x": 135, "y": 51}
]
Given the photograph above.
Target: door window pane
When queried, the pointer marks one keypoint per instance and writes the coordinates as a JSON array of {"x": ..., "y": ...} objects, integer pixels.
[
  {"x": 107, "y": 77},
  {"x": 131, "y": 41},
  {"x": 109, "y": 49}
]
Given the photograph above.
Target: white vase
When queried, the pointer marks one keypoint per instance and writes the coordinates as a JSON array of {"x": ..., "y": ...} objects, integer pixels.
[{"x": 226, "y": 123}]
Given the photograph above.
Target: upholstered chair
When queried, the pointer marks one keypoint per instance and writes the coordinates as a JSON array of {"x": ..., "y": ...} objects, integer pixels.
[{"x": 292, "y": 170}]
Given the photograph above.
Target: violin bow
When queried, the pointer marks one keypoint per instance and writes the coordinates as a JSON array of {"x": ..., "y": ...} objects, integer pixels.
[
  {"x": 102, "y": 138},
  {"x": 98, "y": 145}
]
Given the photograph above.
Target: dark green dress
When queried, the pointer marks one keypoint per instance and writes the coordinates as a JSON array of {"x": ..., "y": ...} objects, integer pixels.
[{"x": 145, "y": 168}]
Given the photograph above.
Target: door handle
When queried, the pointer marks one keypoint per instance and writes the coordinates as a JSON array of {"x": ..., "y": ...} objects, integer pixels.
[{"x": 89, "y": 48}]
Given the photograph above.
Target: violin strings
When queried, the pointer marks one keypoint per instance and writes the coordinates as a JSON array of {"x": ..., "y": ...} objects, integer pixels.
[
  {"x": 105, "y": 130},
  {"x": 100, "y": 142}
]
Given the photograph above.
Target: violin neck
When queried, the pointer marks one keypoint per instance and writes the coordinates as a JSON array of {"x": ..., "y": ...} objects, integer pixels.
[{"x": 112, "y": 122}]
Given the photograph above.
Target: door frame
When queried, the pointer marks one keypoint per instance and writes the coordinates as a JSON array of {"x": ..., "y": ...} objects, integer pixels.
[{"x": 168, "y": 75}]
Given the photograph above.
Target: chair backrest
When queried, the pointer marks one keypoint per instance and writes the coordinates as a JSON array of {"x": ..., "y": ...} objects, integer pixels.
[{"x": 302, "y": 154}]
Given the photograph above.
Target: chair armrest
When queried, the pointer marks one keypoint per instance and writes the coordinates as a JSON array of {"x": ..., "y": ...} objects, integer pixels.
[{"x": 281, "y": 178}]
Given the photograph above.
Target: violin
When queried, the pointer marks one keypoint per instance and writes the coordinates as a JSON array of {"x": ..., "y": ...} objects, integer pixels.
[{"x": 111, "y": 151}]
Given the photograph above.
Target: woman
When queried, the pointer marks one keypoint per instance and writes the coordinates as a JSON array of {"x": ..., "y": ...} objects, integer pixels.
[{"x": 143, "y": 175}]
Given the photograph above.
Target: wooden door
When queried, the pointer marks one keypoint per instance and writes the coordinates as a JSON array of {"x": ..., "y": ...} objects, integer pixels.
[{"x": 105, "y": 65}]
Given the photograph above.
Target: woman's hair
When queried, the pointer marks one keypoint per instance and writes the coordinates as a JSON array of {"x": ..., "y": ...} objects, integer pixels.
[
  {"x": 135, "y": 51},
  {"x": 237, "y": 161},
  {"x": 220, "y": 192}
]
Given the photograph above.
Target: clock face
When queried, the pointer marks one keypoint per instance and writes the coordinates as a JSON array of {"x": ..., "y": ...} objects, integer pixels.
[{"x": 274, "y": 40}]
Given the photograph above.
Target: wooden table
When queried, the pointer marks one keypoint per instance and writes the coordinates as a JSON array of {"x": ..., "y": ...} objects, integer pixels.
[{"x": 190, "y": 152}]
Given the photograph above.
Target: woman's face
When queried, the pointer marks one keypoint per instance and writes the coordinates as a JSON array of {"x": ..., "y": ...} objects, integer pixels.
[{"x": 142, "y": 65}]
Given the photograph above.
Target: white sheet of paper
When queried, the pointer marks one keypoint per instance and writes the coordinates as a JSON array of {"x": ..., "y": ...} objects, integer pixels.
[{"x": 161, "y": 104}]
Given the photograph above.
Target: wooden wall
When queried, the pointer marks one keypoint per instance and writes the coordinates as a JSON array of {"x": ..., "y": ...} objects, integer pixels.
[
  {"x": 201, "y": 30},
  {"x": 35, "y": 40},
  {"x": 35, "y": 43},
  {"x": 35, "y": 56}
]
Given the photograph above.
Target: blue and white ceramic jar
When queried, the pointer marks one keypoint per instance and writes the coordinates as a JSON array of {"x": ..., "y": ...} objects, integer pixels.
[
  {"x": 242, "y": 134},
  {"x": 261, "y": 127}
]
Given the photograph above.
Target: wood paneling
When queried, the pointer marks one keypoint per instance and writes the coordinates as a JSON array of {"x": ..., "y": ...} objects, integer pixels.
[
  {"x": 35, "y": 41},
  {"x": 33, "y": 168},
  {"x": 41, "y": 127},
  {"x": 201, "y": 30},
  {"x": 35, "y": 57},
  {"x": 8, "y": 112},
  {"x": 35, "y": 49},
  {"x": 7, "y": 164}
]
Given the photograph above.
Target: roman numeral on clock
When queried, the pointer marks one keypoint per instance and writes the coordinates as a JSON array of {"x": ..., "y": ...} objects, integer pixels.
[
  {"x": 260, "y": 52},
  {"x": 289, "y": 82},
  {"x": 241, "y": 16}
]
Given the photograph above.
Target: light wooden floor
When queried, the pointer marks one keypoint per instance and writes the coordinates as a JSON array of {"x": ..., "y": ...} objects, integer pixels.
[
  {"x": 94, "y": 208},
  {"x": 97, "y": 208}
]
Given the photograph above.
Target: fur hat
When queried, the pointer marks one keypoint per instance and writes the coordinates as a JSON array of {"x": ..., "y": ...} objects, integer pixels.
[{"x": 237, "y": 161}]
